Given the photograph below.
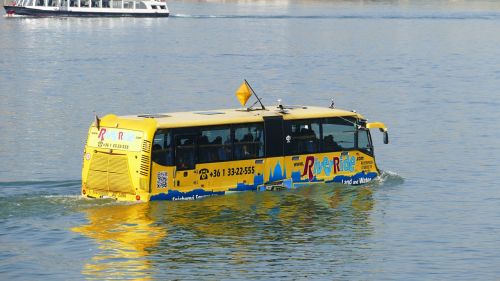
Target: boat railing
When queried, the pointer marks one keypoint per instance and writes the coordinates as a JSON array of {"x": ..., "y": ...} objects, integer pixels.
[{"x": 17, "y": 2}]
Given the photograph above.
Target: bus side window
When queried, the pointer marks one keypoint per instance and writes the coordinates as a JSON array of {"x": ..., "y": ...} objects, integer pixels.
[
  {"x": 248, "y": 141},
  {"x": 162, "y": 148},
  {"x": 304, "y": 137},
  {"x": 185, "y": 150},
  {"x": 214, "y": 144}
]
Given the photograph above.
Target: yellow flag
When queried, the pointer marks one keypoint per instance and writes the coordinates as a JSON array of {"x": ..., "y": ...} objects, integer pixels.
[{"x": 243, "y": 93}]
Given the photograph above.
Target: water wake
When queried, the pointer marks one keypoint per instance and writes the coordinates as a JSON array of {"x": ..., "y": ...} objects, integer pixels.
[
  {"x": 388, "y": 179},
  {"x": 17, "y": 188},
  {"x": 43, "y": 198},
  {"x": 432, "y": 16}
]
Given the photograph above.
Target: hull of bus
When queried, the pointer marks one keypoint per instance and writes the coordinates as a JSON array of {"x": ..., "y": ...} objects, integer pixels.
[{"x": 279, "y": 173}]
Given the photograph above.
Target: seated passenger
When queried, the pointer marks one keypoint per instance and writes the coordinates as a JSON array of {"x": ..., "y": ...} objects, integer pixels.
[
  {"x": 204, "y": 150},
  {"x": 156, "y": 154},
  {"x": 330, "y": 144}
]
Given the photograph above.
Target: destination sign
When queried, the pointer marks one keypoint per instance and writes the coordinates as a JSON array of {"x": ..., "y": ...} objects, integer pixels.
[{"x": 113, "y": 138}]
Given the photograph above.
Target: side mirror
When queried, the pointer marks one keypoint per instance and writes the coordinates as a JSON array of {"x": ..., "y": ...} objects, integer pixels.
[
  {"x": 381, "y": 126},
  {"x": 386, "y": 137}
]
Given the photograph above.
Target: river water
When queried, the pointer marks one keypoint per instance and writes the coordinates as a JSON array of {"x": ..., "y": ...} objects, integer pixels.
[{"x": 429, "y": 69}]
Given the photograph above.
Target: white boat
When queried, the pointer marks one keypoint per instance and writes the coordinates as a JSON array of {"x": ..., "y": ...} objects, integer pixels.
[{"x": 87, "y": 8}]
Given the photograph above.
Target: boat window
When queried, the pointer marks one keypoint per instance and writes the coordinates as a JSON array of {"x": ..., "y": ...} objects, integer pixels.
[
  {"x": 105, "y": 3},
  {"x": 185, "y": 152},
  {"x": 162, "y": 148},
  {"x": 214, "y": 144},
  {"x": 39, "y": 3},
  {"x": 248, "y": 141},
  {"x": 364, "y": 141},
  {"x": 338, "y": 134},
  {"x": 154, "y": 7},
  {"x": 128, "y": 4},
  {"x": 163, "y": 7},
  {"x": 140, "y": 5},
  {"x": 303, "y": 137}
]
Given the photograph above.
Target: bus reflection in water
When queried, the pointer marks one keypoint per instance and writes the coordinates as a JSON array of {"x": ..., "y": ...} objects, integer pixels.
[{"x": 134, "y": 241}]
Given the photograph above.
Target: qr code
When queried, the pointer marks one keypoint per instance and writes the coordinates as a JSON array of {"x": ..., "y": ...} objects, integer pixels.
[{"x": 161, "y": 181}]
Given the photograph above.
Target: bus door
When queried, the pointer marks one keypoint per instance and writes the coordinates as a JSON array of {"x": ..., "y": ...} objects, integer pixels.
[
  {"x": 185, "y": 161},
  {"x": 274, "y": 169}
]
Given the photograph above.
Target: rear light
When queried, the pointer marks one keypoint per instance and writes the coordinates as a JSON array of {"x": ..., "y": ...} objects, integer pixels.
[
  {"x": 137, "y": 197},
  {"x": 84, "y": 192}
]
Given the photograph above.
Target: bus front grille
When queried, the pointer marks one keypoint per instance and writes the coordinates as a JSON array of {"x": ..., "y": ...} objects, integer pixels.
[{"x": 110, "y": 173}]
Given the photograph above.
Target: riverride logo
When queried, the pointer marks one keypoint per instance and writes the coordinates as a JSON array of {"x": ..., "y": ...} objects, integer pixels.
[
  {"x": 111, "y": 138},
  {"x": 115, "y": 135},
  {"x": 314, "y": 166}
]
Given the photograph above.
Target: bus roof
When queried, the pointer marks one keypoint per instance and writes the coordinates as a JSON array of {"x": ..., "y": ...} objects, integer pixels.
[{"x": 236, "y": 116}]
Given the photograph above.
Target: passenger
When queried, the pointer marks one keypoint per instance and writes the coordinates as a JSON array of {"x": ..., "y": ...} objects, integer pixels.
[
  {"x": 156, "y": 155},
  {"x": 204, "y": 152},
  {"x": 248, "y": 137},
  {"x": 213, "y": 150},
  {"x": 330, "y": 144},
  {"x": 248, "y": 151},
  {"x": 225, "y": 152}
]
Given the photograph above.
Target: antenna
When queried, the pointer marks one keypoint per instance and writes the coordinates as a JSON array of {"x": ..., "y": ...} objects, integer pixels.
[
  {"x": 263, "y": 107},
  {"x": 332, "y": 105}
]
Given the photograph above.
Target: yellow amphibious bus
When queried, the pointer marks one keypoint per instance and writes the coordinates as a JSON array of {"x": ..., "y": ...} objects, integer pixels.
[{"x": 190, "y": 155}]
